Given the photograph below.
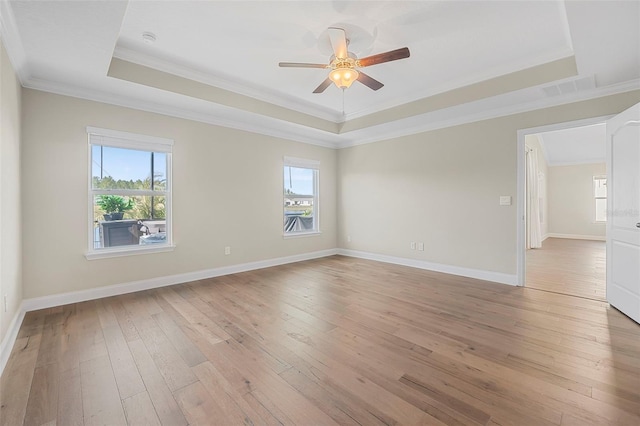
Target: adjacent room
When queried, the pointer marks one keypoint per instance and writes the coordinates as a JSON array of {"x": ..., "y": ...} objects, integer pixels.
[
  {"x": 566, "y": 244},
  {"x": 317, "y": 212}
]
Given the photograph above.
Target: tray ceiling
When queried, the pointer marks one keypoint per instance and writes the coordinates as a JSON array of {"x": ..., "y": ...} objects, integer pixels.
[{"x": 217, "y": 61}]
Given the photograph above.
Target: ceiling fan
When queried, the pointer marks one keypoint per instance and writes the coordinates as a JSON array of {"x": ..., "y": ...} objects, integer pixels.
[{"x": 344, "y": 65}]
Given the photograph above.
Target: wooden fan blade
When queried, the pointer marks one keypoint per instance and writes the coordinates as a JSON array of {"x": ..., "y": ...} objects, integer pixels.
[
  {"x": 392, "y": 55},
  {"x": 323, "y": 86},
  {"x": 339, "y": 42},
  {"x": 301, "y": 65},
  {"x": 371, "y": 83}
]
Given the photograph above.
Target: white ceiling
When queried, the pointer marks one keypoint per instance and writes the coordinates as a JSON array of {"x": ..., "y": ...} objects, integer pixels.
[
  {"x": 67, "y": 47},
  {"x": 578, "y": 145}
]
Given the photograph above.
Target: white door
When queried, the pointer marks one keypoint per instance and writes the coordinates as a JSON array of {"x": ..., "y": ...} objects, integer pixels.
[{"x": 623, "y": 212}]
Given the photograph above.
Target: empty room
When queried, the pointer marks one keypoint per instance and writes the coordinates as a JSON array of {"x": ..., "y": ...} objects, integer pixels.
[
  {"x": 319, "y": 212},
  {"x": 566, "y": 250}
]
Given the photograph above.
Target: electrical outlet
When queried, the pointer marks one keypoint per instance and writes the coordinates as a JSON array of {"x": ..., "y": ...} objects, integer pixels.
[
  {"x": 421, "y": 246},
  {"x": 348, "y": 238},
  {"x": 6, "y": 303},
  {"x": 413, "y": 245},
  {"x": 227, "y": 250}
]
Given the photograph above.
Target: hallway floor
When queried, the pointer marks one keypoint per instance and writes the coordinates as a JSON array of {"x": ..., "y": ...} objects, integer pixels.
[{"x": 573, "y": 267}]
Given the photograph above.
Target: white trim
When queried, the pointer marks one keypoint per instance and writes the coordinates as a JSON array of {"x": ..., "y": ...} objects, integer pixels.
[
  {"x": 402, "y": 128},
  {"x": 301, "y": 234},
  {"x": 130, "y": 287},
  {"x": 255, "y": 123},
  {"x": 476, "y": 78},
  {"x": 314, "y": 166},
  {"x": 130, "y": 192},
  {"x": 6, "y": 346},
  {"x": 276, "y": 128},
  {"x": 246, "y": 89},
  {"x": 118, "y": 134},
  {"x": 99, "y": 136},
  {"x": 521, "y": 223},
  {"x": 119, "y": 139},
  {"x": 520, "y": 179},
  {"x": 479, "y": 274},
  {"x": 579, "y": 237},
  {"x": 44, "y": 302},
  {"x": 303, "y": 163},
  {"x": 129, "y": 251},
  {"x": 243, "y": 88}
]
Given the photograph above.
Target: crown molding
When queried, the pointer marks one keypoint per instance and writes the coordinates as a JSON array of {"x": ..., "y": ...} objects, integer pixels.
[
  {"x": 256, "y": 123},
  {"x": 249, "y": 122},
  {"x": 12, "y": 41},
  {"x": 463, "y": 82},
  {"x": 406, "y": 127},
  {"x": 221, "y": 82},
  {"x": 324, "y": 113}
]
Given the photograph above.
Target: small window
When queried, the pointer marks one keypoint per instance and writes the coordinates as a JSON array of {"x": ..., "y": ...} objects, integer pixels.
[
  {"x": 600, "y": 197},
  {"x": 129, "y": 193},
  {"x": 301, "y": 196}
]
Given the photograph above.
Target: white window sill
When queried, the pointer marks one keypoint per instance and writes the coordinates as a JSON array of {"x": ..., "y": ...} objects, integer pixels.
[
  {"x": 300, "y": 234},
  {"x": 129, "y": 251}
]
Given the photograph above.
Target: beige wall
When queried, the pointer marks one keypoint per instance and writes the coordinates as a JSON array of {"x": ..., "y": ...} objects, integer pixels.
[
  {"x": 572, "y": 208},
  {"x": 532, "y": 141},
  {"x": 442, "y": 187},
  {"x": 10, "y": 236},
  {"x": 227, "y": 192}
]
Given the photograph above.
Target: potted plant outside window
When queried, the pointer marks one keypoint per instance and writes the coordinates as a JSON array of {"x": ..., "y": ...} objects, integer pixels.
[{"x": 114, "y": 206}]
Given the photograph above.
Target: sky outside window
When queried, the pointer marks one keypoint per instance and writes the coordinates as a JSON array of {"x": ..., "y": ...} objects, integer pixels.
[
  {"x": 298, "y": 180},
  {"x": 127, "y": 164}
]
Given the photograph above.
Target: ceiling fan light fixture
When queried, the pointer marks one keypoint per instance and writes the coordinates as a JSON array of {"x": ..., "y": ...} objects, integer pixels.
[
  {"x": 343, "y": 63},
  {"x": 344, "y": 77}
]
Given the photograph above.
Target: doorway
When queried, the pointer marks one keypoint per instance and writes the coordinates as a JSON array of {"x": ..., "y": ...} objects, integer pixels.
[{"x": 561, "y": 187}]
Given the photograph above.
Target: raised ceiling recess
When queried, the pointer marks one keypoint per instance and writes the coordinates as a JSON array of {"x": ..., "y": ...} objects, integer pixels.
[{"x": 217, "y": 61}]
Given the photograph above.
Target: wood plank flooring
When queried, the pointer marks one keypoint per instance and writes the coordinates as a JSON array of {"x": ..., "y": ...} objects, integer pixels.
[
  {"x": 330, "y": 341},
  {"x": 573, "y": 267}
]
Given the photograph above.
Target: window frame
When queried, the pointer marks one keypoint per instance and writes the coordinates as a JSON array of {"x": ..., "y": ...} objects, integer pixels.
[
  {"x": 595, "y": 198},
  {"x": 118, "y": 139},
  {"x": 313, "y": 165}
]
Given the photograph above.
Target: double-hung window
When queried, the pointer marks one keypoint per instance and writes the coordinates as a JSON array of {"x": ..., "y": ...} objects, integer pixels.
[
  {"x": 301, "y": 208},
  {"x": 600, "y": 197},
  {"x": 129, "y": 193}
]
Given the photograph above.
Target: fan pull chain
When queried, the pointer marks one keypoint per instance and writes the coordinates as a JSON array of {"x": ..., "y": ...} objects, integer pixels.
[{"x": 343, "y": 113}]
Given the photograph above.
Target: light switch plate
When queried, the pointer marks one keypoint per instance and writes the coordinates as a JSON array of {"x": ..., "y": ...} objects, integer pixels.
[{"x": 505, "y": 200}]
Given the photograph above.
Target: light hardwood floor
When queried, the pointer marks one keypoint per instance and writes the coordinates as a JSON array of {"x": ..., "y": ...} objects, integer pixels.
[
  {"x": 334, "y": 340},
  {"x": 573, "y": 267}
]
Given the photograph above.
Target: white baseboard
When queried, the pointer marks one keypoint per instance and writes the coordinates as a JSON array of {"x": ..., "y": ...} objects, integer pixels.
[
  {"x": 545, "y": 236},
  {"x": 113, "y": 290},
  {"x": 130, "y": 287},
  {"x": 479, "y": 274},
  {"x": 577, "y": 237},
  {"x": 10, "y": 337},
  {"x": 44, "y": 302}
]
